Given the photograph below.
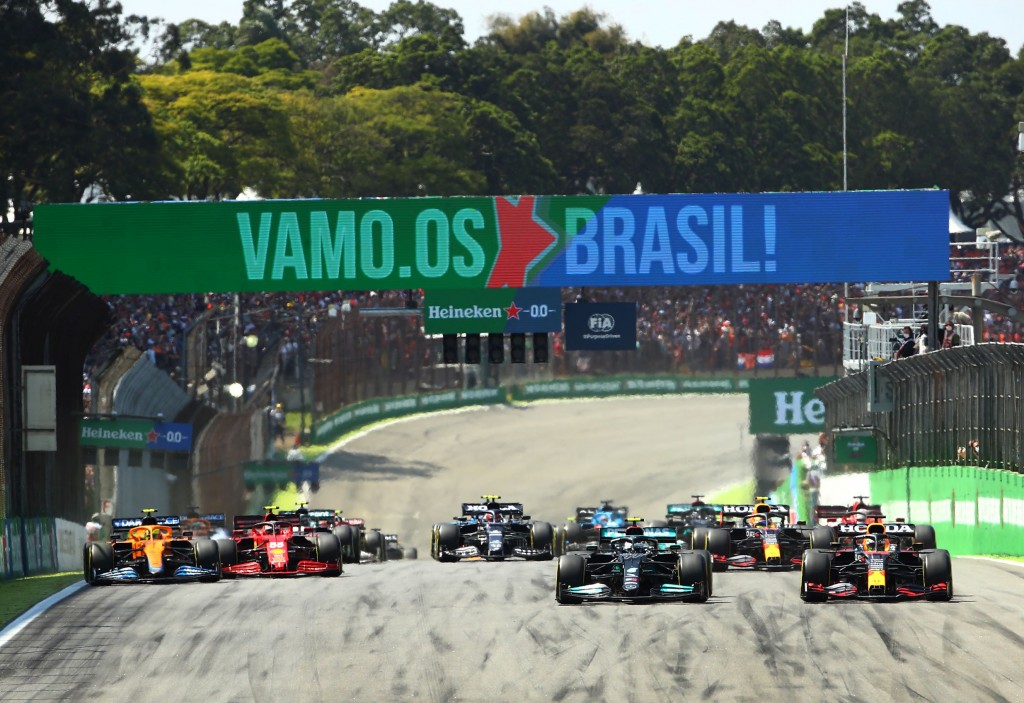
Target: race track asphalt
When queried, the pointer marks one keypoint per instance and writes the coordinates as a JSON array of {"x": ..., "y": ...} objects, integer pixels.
[{"x": 421, "y": 630}]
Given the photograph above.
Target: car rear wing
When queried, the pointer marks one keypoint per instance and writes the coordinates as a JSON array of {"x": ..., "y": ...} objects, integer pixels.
[
  {"x": 126, "y": 523},
  {"x": 661, "y": 534},
  {"x": 391, "y": 539},
  {"x": 477, "y": 509},
  {"x": 244, "y": 523},
  {"x": 683, "y": 508},
  {"x": 830, "y": 514},
  {"x": 741, "y": 511},
  {"x": 892, "y": 529}
]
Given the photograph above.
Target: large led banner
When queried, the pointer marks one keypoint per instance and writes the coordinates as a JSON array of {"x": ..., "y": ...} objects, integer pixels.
[{"x": 493, "y": 242}]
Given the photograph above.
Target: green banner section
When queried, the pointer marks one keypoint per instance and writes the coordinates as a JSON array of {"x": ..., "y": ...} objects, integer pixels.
[
  {"x": 277, "y": 472},
  {"x": 786, "y": 405},
  {"x": 578, "y": 388},
  {"x": 128, "y": 434},
  {"x": 369, "y": 411},
  {"x": 856, "y": 448},
  {"x": 974, "y": 510}
]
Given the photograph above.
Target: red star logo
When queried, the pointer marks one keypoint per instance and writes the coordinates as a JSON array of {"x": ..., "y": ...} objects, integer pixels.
[
  {"x": 522, "y": 241},
  {"x": 513, "y": 311},
  {"x": 153, "y": 436}
]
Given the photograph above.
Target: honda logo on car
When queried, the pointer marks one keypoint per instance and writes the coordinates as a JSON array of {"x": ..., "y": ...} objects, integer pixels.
[{"x": 891, "y": 528}]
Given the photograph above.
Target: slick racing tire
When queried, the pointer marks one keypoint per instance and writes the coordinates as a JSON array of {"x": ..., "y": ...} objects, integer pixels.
[
  {"x": 937, "y": 568},
  {"x": 699, "y": 538},
  {"x": 348, "y": 538},
  {"x": 542, "y": 537},
  {"x": 410, "y": 553},
  {"x": 328, "y": 550},
  {"x": 571, "y": 571},
  {"x": 227, "y": 550},
  {"x": 924, "y": 537},
  {"x": 821, "y": 537},
  {"x": 691, "y": 570},
  {"x": 98, "y": 558},
  {"x": 709, "y": 568},
  {"x": 719, "y": 545},
  {"x": 816, "y": 567},
  {"x": 558, "y": 548},
  {"x": 573, "y": 533},
  {"x": 377, "y": 545},
  {"x": 448, "y": 538},
  {"x": 207, "y": 555}
]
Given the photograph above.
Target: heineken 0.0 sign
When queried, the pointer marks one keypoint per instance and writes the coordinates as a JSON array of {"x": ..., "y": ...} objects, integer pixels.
[
  {"x": 134, "y": 433},
  {"x": 786, "y": 405},
  {"x": 492, "y": 310}
]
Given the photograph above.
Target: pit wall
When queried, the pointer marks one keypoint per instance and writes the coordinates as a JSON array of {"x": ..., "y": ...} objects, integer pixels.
[{"x": 974, "y": 510}]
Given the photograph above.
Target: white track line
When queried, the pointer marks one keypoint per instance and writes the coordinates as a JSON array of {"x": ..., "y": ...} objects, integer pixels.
[{"x": 23, "y": 620}]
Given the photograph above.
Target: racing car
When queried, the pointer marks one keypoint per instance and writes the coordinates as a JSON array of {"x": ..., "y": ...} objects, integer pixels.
[
  {"x": 395, "y": 550},
  {"x": 875, "y": 566},
  {"x": 494, "y": 531},
  {"x": 358, "y": 544},
  {"x": 584, "y": 527},
  {"x": 857, "y": 512},
  {"x": 274, "y": 545},
  {"x": 147, "y": 549},
  {"x": 684, "y": 517},
  {"x": 850, "y": 521},
  {"x": 634, "y": 564},
  {"x": 763, "y": 539}
]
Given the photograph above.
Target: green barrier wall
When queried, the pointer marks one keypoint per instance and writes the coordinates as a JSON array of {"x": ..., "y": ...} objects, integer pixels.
[
  {"x": 974, "y": 510},
  {"x": 370, "y": 411}
]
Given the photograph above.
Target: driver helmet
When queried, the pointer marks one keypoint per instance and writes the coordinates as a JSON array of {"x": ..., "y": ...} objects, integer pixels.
[
  {"x": 860, "y": 517},
  {"x": 634, "y": 530},
  {"x": 757, "y": 520},
  {"x": 488, "y": 517}
]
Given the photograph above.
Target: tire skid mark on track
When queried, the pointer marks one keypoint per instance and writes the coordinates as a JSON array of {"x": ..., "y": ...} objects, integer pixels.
[{"x": 884, "y": 629}]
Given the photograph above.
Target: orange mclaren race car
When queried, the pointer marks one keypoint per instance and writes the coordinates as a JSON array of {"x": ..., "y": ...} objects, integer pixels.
[{"x": 150, "y": 551}]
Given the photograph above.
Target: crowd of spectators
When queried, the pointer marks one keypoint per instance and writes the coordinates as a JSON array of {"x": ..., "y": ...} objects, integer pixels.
[{"x": 679, "y": 330}]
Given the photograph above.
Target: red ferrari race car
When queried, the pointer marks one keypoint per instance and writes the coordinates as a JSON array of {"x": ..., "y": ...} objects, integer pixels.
[{"x": 273, "y": 545}]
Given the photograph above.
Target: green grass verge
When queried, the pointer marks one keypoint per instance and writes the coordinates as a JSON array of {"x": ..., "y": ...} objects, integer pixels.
[
  {"x": 740, "y": 493},
  {"x": 18, "y": 595}
]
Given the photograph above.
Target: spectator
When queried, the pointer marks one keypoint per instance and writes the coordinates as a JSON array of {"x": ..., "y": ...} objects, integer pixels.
[
  {"x": 907, "y": 346},
  {"x": 277, "y": 419}
]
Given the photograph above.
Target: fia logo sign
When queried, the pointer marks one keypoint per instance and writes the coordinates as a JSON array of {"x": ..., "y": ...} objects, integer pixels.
[{"x": 601, "y": 322}]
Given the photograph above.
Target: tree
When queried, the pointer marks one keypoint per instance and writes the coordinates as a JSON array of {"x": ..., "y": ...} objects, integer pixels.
[{"x": 71, "y": 109}]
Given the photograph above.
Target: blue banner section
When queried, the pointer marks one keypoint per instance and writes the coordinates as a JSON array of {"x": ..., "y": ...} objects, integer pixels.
[
  {"x": 535, "y": 310},
  {"x": 878, "y": 236},
  {"x": 170, "y": 436},
  {"x": 307, "y": 472},
  {"x": 600, "y": 326}
]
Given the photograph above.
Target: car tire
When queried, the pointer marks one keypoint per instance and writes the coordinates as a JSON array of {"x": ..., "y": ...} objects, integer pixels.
[
  {"x": 570, "y": 571},
  {"x": 348, "y": 539},
  {"x": 410, "y": 553},
  {"x": 691, "y": 570},
  {"x": 377, "y": 545},
  {"x": 924, "y": 537},
  {"x": 709, "y": 568},
  {"x": 227, "y": 551},
  {"x": 207, "y": 554},
  {"x": 815, "y": 567},
  {"x": 542, "y": 536},
  {"x": 937, "y": 568},
  {"x": 449, "y": 538},
  {"x": 699, "y": 538},
  {"x": 328, "y": 550},
  {"x": 98, "y": 558},
  {"x": 573, "y": 533},
  {"x": 719, "y": 545},
  {"x": 821, "y": 537}
]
